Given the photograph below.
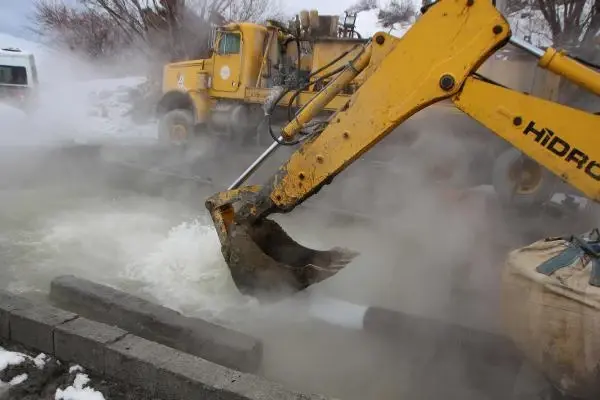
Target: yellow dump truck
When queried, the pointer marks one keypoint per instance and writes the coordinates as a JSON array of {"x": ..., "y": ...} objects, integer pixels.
[
  {"x": 250, "y": 65},
  {"x": 256, "y": 69}
]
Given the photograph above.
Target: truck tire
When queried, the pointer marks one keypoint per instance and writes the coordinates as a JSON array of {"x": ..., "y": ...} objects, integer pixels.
[
  {"x": 537, "y": 186},
  {"x": 176, "y": 127}
]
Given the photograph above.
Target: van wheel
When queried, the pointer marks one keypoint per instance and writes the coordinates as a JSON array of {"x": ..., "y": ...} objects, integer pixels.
[
  {"x": 520, "y": 181},
  {"x": 176, "y": 127}
]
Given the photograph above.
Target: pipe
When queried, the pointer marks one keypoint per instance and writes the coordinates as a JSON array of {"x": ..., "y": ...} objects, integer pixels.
[
  {"x": 254, "y": 166},
  {"x": 379, "y": 320},
  {"x": 265, "y": 57},
  {"x": 528, "y": 47},
  {"x": 324, "y": 97},
  {"x": 563, "y": 65}
]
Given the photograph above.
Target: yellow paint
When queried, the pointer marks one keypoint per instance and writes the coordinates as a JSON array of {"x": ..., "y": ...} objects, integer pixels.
[
  {"x": 434, "y": 63},
  {"x": 575, "y": 127},
  {"x": 383, "y": 102},
  {"x": 577, "y": 73},
  {"x": 190, "y": 70},
  {"x": 227, "y": 61},
  {"x": 271, "y": 37},
  {"x": 259, "y": 95},
  {"x": 244, "y": 70},
  {"x": 236, "y": 75},
  {"x": 202, "y": 104},
  {"x": 327, "y": 94}
]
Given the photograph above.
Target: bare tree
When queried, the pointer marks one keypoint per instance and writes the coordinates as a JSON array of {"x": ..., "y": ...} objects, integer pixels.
[
  {"x": 568, "y": 24},
  {"x": 362, "y": 5},
  {"x": 572, "y": 25},
  {"x": 396, "y": 12},
  {"x": 83, "y": 30},
  {"x": 175, "y": 29},
  {"x": 244, "y": 10}
]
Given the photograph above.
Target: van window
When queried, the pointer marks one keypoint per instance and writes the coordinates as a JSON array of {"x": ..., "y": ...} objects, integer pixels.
[
  {"x": 13, "y": 75},
  {"x": 230, "y": 43}
]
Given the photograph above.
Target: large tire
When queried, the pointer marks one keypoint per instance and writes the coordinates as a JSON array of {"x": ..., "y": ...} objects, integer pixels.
[
  {"x": 176, "y": 127},
  {"x": 538, "y": 189}
]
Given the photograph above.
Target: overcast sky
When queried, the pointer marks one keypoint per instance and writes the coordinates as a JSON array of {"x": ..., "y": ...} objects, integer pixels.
[{"x": 14, "y": 14}]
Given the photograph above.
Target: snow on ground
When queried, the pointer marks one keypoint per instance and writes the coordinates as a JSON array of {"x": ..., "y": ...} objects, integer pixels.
[
  {"x": 10, "y": 358},
  {"x": 79, "y": 390},
  {"x": 366, "y": 25},
  {"x": 71, "y": 107},
  {"x": 96, "y": 111}
]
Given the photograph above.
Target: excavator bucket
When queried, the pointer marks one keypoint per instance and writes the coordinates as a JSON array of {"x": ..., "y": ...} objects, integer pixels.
[{"x": 265, "y": 262}]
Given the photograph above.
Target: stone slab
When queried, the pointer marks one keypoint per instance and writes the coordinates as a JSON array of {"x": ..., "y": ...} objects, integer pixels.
[
  {"x": 151, "y": 321},
  {"x": 82, "y": 341},
  {"x": 9, "y": 302},
  {"x": 173, "y": 375},
  {"x": 34, "y": 326}
]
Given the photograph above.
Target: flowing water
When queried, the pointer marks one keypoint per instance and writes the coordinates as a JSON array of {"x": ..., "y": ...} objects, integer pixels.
[{"x": 69, "y": 213}]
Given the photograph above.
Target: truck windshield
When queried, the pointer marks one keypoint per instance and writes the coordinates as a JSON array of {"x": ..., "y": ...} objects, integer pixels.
[
  {"x": 13, "y": 75},
  {"x": 229, "y": 43}
]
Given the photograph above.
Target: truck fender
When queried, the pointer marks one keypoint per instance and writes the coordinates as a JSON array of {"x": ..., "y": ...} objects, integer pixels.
[{"x": 197, "y": 102}]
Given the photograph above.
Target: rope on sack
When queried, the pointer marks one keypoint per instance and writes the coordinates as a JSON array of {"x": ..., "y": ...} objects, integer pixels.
[{"x": 578, "y": 248}]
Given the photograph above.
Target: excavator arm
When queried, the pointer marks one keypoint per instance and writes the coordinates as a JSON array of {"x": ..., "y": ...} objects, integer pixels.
[{"x": 435, "y": 60}]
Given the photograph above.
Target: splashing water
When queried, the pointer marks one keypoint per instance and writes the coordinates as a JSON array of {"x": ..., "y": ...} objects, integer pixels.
[
  {"x": 150, "y": 248},
  {"x": 187, "y": 269}
]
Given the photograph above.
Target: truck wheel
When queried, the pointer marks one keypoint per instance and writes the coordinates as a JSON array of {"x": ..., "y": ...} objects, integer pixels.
[
  {"x": 176, "y": 127},
  {"x": 520, "y": 181}
]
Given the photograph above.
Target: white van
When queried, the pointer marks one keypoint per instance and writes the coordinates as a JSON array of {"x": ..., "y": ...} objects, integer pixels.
[{"x": 18, "y": 78}]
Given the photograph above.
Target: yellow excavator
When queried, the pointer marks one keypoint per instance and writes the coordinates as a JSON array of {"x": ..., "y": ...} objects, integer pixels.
[{"x": 434, "y": 60}]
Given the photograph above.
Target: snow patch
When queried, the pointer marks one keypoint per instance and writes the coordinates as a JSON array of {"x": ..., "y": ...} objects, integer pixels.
[
  {"x": 75, "y": 368},
  {"x": 10, "y": 358},
  {"x": 40, "y": 360},
  {"x": 79, "y": 390},
  {"x": 17, "y": 380}
]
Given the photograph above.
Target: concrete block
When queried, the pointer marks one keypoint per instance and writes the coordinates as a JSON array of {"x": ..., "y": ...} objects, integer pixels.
[
  {"x": 83, "y": 341},
  {"x": 151, "y": 321},
  {"x": 490, "y": 357},
  {"x": 4, "y": 328},
  {"x": 126, "y": 360},
  {"x": 174, "y": 375},
  {"x": 4, "y": 393},
  {"x": 9, "y": 302},
  {"x": 34, "y": 326}
]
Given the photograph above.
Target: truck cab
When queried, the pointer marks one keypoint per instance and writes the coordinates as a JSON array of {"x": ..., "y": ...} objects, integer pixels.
[{"x": 18, "y": 78}]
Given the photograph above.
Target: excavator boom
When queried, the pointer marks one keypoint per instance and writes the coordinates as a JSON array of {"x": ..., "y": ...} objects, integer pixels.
[{"x": 435, "y": 60}]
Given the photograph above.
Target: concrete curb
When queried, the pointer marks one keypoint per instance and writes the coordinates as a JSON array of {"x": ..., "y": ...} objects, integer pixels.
[
  {"x": 153, "y": 322},
  {"x": 164, "y": 372}
]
